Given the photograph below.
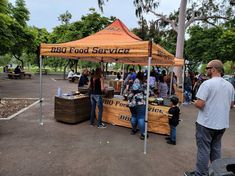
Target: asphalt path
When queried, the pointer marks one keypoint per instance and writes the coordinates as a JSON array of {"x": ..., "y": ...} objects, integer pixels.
[{"x": 58, "y": 149}]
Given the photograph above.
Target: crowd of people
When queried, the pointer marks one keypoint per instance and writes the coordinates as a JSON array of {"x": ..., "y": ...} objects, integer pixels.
[
  {"x": 211, "y": 94},
  {"x": 159, "y": 82}
]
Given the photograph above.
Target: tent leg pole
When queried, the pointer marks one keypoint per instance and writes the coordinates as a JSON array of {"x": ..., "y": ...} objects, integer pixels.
[
  {"x": 123, "y": 70},
  {"x": 183, "y": 74},
  {"x": 147, "y": 104},
  {"x": 171, "y": 81},
  {"x": 40, "y": 89}
]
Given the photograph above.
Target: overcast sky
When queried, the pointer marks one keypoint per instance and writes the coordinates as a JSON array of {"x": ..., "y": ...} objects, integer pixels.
[{"x": 45, "y": 13}]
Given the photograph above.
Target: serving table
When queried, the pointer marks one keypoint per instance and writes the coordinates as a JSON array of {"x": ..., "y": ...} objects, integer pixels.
[
  {"x": 117, "y": 112},
  {"x": 72, "y": 109}
]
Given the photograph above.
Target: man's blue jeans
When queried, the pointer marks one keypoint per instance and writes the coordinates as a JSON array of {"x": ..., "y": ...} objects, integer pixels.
[
  {"x": 173, "y": 133},
  {"x": 138, "y": 117},
  {"x": 96, "y": 99}
]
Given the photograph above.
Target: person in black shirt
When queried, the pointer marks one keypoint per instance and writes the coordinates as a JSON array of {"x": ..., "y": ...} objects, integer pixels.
[
  {"x": 17, "y": 70},
  {"x": 174, "y": 113},
  {"x": 83, "y": 79},
  {"x": 96, "y": 88}
]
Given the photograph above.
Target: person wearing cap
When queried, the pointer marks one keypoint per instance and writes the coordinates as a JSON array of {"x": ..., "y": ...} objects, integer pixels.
[
  {"x": 174, "y": 113},
  {"x": 214, "y": 100},
  {"x": 137, "y": 105}
]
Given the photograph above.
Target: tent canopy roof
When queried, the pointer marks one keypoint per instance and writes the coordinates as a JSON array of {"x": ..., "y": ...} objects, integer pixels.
[{"x": 115, "y": 43}]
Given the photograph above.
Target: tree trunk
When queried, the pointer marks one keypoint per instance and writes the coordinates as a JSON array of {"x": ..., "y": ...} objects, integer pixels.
[
  {"x": 76, "y": 66},
  {"x": 65, "y": 68},
  {"x": 180, "y": 41},
  {"x": 22, "y": 62}
]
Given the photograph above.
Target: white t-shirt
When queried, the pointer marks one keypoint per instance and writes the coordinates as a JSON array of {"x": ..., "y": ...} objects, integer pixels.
[
  {"x": 71, "y": 74},
  {"x": 218, "y": 95}
]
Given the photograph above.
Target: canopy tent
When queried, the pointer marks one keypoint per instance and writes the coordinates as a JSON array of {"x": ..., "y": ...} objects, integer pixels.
[{"x": 115, "y": 43}]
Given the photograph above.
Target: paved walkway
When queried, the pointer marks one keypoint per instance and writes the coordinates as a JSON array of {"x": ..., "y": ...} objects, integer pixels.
[{"x": 26, "y": 148}]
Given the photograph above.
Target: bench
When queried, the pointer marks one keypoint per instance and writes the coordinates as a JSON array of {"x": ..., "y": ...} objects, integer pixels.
[
  {"x": 44, "y": 71},
  {"x": 29, "y": 75},
  {"x": 13, "y": 75},
  {"x": 73, "y": 79}
]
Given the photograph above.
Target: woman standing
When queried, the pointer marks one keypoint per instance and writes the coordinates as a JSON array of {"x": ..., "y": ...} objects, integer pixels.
[
  {"x": 137, "y": 105},
  {"x": 162, "y": 87},
  {"x": 97, "y": 87}
]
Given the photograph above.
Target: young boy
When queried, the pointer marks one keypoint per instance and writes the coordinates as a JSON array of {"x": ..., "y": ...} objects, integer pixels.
[{"x": 174, "y": 113}]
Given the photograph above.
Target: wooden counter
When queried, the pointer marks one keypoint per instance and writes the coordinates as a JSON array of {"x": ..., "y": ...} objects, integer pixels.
[
  {"x": 72, "y": 109},
  {"x": 116, "y": 112}
]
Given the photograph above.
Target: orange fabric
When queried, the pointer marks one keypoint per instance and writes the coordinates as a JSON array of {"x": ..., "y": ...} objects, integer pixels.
[
  {"x": 178, "y": 62},
  {"x": 115, "y": 43}
]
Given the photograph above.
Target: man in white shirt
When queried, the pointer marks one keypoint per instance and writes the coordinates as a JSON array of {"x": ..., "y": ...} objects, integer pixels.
[{"x": 215, "y": 98}]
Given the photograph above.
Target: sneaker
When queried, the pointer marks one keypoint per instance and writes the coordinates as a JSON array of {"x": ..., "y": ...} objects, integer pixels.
[
  {"x": 92, "y": 124},
  {"x": 171, "y": 142},
  {"x": 142, "y": 136},
  {"x": 187, "y": 173},
  {"x": 167, "y": 138},
  {"x": 102, "y": 125},
  {"x": 133, "y": 132}
]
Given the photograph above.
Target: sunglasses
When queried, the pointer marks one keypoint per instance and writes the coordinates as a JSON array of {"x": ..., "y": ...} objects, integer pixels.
[{"x": 207, "y": 68}]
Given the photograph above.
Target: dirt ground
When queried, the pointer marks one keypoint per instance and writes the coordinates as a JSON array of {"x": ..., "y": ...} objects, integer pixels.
[
  {"x": 54, "y": 148},
  {"x": 9, "y": 107}
]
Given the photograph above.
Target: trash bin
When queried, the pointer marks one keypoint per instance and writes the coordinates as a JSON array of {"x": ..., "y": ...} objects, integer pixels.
[{"x": 222, "y": 167}]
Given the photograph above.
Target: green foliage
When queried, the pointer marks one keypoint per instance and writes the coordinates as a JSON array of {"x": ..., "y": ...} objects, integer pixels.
[
  {"x": 144, "y": 6},
  {"x": 20, "y": 12},
  {"x": 65, "y": 18},
  {"x": 206, "y": 44},
  {"x": 5, "y": 60},
  {"x": 4, "y": 6},
  {"x": 228, "y": 67},
  {"x": 164, "y": 37},
  {"x": 15, "y": 36},
  {"x": 88, "y": 64},
  {"x": 89, "y": 24},
  {"x": 6, "y": 36}
]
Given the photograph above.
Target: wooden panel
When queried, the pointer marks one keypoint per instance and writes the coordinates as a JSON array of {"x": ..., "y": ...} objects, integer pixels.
[
  {"x": 117, "y": 112},
  {"x": 72, "y": 110}
]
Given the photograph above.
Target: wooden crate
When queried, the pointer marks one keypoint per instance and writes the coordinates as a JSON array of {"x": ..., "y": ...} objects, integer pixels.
[{"x": 72, "y": 110}]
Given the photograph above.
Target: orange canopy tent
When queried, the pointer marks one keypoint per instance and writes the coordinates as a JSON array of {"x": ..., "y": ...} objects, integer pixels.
[{"x": 115, "y": 43}]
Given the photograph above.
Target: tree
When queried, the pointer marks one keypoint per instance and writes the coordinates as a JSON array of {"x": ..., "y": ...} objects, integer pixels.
[
  {"x": 65, "y": 17},
  {"x": 89, "y": 24},
  {"x": 159, "y": 34},
  {"x": 21, "y": 13},
  {"x": 207, "y": 11},
  {"x": 39, "y": 36},
  {"x": 23, "y": 38},
  {"x": 6, "y": 24},
  {"x": 206, "y": 43},
  {"x": 4, "y": 6}
]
